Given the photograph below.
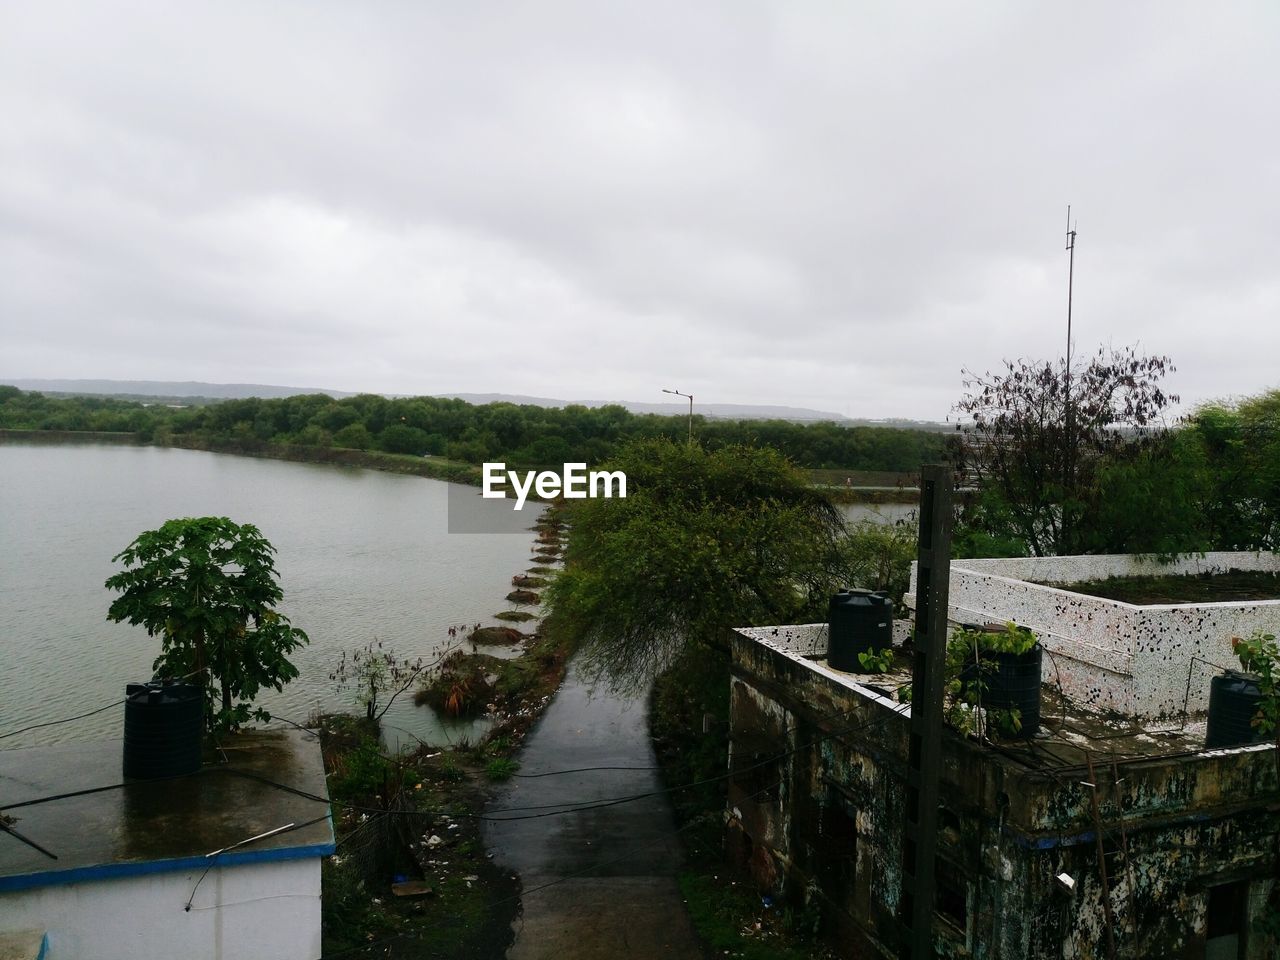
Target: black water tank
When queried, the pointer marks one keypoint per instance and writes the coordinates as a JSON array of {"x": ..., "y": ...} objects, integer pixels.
[
  {"x": 163, "y": 728},
  {"x": 1233, "y": 703},
  {"x": 858, "y": 621},
  {"x": 1013, "y": 683}
]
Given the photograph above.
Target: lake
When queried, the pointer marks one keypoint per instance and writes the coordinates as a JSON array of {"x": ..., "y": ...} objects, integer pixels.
[
  {"x": 880, "y": 512},
  {"x": 362, "y": 555}
]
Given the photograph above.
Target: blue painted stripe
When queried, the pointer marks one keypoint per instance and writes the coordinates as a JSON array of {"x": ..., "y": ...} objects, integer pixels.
[
  {"x": 44, "y": 948},
  {"x": 141, "y": 868},
  {"x": 1089, "y": 836}
]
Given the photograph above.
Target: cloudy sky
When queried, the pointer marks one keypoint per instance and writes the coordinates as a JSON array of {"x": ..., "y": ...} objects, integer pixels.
[{"x": 833, "y": 205}]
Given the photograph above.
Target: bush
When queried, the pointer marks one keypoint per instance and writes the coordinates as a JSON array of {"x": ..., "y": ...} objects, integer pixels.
[
  {"x": 877, "y": 556},
  {"x": 366, "y": 772}
]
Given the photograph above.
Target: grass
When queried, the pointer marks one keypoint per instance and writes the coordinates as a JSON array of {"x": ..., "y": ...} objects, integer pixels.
[
  {"x": 854, "y": 495},
  {"x": 500, "y": 768},
  {"x": 732, "y": 921},
  {"x": 472, "y": 902},
  {"x": 835, "y": 477}
]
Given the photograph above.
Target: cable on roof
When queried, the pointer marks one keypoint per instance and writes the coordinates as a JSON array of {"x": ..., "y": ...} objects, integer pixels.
[{"x": 213, "y": 857}]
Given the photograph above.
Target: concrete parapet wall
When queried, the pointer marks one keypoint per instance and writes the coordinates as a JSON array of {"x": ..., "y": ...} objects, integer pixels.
[{"x": 1110, "y": 655}]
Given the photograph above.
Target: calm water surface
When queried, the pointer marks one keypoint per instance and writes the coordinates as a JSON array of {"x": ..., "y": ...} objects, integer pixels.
[
  {"x": 361, "y": 555},
  {"x": 884, "y": 512}
]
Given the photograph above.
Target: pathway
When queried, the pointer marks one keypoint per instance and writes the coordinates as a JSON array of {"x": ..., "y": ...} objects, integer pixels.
[{"x": 598, "y": 883}]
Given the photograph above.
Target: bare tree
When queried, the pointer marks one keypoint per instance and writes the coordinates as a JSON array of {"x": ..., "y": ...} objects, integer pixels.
[{"x": 1037, "y": 435}]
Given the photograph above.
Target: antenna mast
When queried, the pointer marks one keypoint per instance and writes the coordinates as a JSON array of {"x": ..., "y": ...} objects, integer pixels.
[
  {"x": 1071, "y": 272},
  {"x": 1069, "y": 459}
]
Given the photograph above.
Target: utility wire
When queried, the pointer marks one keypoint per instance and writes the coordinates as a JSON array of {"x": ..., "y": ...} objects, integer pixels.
[
  {"x": 560, "y": 809},
  {"x": 545, "y": 810},
  {"x": 79, "y": 716},
  {"x": 70, "y": 794},
  {"x": 576, "y": 875},
  {"x": 521, "y": 776},
  {"x": 54, "y": 723},
  {"x": 213, "y": 857},
  {"x": 558, "y": 773}
]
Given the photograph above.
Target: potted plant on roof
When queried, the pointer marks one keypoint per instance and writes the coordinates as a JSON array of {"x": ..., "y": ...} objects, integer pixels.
[
  {"x": 996, "y": 667},
  {"x": 1244, "y": 705}
]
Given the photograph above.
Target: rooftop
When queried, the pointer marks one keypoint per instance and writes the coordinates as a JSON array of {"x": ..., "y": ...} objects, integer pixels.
[
  {"x": 1068, "y": 730},
  {"x": 72, "y": 800}
]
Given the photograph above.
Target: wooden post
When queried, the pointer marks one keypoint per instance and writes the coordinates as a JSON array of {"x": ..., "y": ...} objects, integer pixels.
[{"x": 920, "y": 827}]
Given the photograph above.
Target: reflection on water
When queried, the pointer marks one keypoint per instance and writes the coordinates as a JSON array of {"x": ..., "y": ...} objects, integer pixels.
[{"x": 362, "y": 555}]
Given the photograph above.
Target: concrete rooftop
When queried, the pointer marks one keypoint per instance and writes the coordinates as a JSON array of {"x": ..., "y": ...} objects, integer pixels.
[
  {"x": 1068, "y": 730},
  {"x": 152, "y": 826}
]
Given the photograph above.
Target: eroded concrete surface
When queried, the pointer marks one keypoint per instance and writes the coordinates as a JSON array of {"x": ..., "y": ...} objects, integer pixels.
[
  {"x": 597, "y": 882},
  {"x": 107, "y": 824}
]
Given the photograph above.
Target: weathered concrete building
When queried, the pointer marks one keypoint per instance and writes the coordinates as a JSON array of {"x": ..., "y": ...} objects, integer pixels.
[{"x": 1172, "y": 848}]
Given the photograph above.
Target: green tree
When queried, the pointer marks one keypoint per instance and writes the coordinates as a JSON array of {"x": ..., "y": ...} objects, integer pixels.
[
  {"x": 1241, "y": 444},
  {"x": 208, "y": 588},
  {"x": 354, "y": 436},
  {"x": 703, "y": 541},
  {"x": 1154, "y": 501},
  {"x": 401, "y": 438}
]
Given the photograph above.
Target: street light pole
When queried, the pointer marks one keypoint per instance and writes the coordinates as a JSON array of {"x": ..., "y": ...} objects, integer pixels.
[{"x": 690, "y": 396}]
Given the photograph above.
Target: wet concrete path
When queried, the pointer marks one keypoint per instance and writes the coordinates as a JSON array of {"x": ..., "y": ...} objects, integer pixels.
[{"x": 598, "y": 883}]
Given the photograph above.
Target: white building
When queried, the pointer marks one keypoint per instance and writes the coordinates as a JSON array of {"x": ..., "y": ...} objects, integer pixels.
[{"x": 216, "y": 865}]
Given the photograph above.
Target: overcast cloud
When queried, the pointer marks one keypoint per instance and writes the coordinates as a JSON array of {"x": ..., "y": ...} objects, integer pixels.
[{"x": 826, "y": 205}]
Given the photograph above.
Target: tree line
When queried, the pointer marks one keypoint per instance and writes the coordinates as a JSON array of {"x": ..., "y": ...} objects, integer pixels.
[
  {"x": 1086, "y": 462},
  {"x": 443, "y": 427}
]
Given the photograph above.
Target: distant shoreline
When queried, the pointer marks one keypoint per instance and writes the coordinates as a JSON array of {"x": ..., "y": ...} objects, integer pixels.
[
  {"x": 434, "y": 468},
  {"x": 70, "y": 436}
]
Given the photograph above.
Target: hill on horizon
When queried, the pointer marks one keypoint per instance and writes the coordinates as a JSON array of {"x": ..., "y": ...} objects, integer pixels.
[{"x": 197, "y": 390}]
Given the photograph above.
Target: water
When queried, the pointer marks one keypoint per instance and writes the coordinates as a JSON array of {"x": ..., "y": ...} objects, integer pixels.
[
  {"x": 361, "y": 555},
  {"x": 883, "y": 512}
]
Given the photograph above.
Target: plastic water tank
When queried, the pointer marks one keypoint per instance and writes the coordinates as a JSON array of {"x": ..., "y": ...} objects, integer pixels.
[
  {"x": 163, "y": 729},
  {"x": 1233, "y": 703},
  {"x": 1014, "y": 684},
  {"x": 858, "y": 621}
]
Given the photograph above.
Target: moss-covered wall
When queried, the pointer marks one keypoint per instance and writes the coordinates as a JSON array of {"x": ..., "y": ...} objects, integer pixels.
[{"x": 816, "y": 805}]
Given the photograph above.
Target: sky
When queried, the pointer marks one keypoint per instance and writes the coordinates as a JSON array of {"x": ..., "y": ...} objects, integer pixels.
[{"x": 830, "y": 205}]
